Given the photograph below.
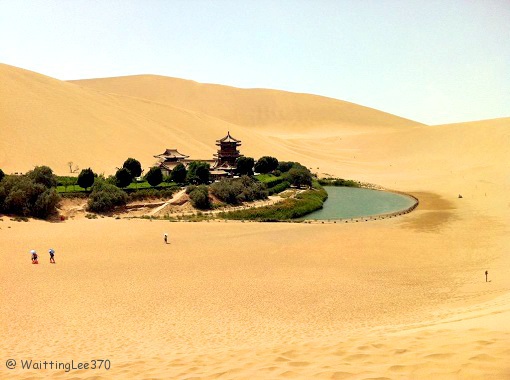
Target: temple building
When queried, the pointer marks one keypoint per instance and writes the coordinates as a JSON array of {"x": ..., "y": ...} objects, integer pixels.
[
  {"x": 223, "y": 165},
  {"x": 227, "y": 154},
  {"x": 169, "y": 159}
]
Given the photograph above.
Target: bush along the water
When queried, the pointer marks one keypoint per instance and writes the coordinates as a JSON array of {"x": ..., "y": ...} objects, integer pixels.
[
  {"x": 290, "y": 208},
  {"x": 235, "y": 191},
  {"x": 338, "y": 182}
]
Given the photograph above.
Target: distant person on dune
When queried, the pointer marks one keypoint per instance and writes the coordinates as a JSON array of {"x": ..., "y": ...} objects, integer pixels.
[
  {"x": 165, "y": 237},
  {"x": 52, "y": 255},
  {"x": 486, "y": 274},
  {"x": 34, "y": 257}
]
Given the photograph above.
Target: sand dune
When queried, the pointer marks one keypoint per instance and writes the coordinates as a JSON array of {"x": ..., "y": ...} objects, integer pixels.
[
  {"x": 402, "y": 298},
  {"x": 270, "y": 111},
  {"x": 54, "y": 122}
]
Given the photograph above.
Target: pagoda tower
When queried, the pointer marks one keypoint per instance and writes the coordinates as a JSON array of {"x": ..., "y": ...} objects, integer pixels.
[{"x": 228, "y": 152}]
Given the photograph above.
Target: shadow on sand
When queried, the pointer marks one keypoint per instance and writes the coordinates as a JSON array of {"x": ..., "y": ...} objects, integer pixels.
[{"x": 432, "y": 214}]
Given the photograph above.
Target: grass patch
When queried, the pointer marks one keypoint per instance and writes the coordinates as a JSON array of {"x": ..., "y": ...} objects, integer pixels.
[
  {"x": 274, "y": 184},
  {"x": 290, "y": 208},
  {"x": 339, "y": 182}
]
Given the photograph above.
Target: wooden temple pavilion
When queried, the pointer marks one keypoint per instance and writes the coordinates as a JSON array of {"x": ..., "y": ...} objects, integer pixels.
[
  {"x": 223, "y": 165},
  {"x": 169, "y": 159},
  {"x": 227, "y": 154}
]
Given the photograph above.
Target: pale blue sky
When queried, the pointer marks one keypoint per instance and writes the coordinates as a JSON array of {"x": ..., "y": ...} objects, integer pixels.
[{"x": 431, "y": 61}]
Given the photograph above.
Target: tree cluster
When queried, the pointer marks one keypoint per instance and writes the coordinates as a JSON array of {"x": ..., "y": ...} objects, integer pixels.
[
  {"x": 199, "y": 196},
  {"x": 32, "y": 194},
  {"x": 235, "y": 191},
  {"x": 105, "y": 197}
]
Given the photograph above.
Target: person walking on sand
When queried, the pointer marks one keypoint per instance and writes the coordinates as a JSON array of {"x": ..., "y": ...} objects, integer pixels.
[
  {"x": 34, "y": 257},
  {"x": 486, "y": 274},
  {"x": 52, "y": 255},
  {"x": 165, "y": 237}
]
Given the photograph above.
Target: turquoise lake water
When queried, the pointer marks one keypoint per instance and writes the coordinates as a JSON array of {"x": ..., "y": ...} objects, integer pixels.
[{"x": 352, "y": 202}]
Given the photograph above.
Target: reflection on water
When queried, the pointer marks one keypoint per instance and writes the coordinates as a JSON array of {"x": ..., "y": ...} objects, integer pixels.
[{"x": 351, "y": 202}]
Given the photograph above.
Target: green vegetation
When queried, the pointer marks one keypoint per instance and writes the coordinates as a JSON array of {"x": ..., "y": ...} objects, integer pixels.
[
  {"x": 266, "y": 164},
  {"x": 43, "y": 175},
  {"x": 245, "y": 165},
  {"x": 154, "y": 176},
  {"x": 235, "y": 191},
  {"x": 199, "y": 196},
  {"x": 32, "y": 194},
  {"x": 299, "y": 176},
  {"x": 178, "y": 174},
  {"x": 152, "y": 193},
  {"x": 198, "y": 173},
  {"x": 275, "y": 184},
  {"x": 133, "y": 166},
  {"x": 290, "y": 208},
  {"x": 123, "y": 177},
  {"x": 285, "y": 166},
  {"x": 278, "y": 188},
  {"x": 2, "y": 174},
  {"x": 105, "y": 197},
  {"x": 338, "y": 182},
  {"x": 86, "y": 178}
]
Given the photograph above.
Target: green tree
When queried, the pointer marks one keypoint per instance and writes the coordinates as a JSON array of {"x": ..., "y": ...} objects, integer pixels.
[
  {"x": 198, "y": 172},
  {"x": 266, "y": 164},
  {"x": 105, "y": 197},
  {"x": 86, "y": 178},
  {"x": 178, "y": 174},
  {"x": 300, "y": 176},
  {"x": 43, "y": 175},
  {"x": 285, "y": 166},
  {"x": 2, "y": 174},
  {"x": 123, "y": 177},
  {"x": 134, "y": 167},
  {"x": 245, "y": 165},
  {"x": 200, "y": 197},
  {"x": 46, "y": 204},
  {"x": 154, "y": 176},
  {"x": 21, "y": 195}
]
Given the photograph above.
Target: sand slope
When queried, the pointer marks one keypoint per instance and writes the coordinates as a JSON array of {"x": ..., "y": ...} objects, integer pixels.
[
  {"x": 47, "y": 121},
  {"x": 402, "y": 298},
  {"x": 272, "y": 111}
]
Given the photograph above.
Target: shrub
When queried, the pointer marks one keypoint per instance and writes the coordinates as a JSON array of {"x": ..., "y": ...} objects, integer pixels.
[
  {"x": 278, "y": 188},
  {"x": 133, "y": 166},
  {"x": 285, "y": 166},
  {"x": 154, "y": 176},
  {"x": 43, "y": 175},
  {"x": 266, "y": 164},
  {"x": 245, "y": 165},
  {"x": 46, "y": 203},
  {"x": 22, "y": 195},
  {"x": 86, "y": 178},
  {"x": 2, "y": 174},
  {"x": 299, "y": 176},
  {"x": 198, "y": 173},
  {"x": 200, "y": 197},
  {"x": 123, "y": 177},
  {"x": 233, "y": 191},
  {"x": 290, "y": 208},
  {"x": 338, "y": 182},
  {"x": 105, "y": 197},
  {"x": 178, "y": 174}
]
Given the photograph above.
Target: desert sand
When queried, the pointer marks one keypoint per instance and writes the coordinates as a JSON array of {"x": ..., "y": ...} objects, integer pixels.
[{"x": 401, "y": 298}]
